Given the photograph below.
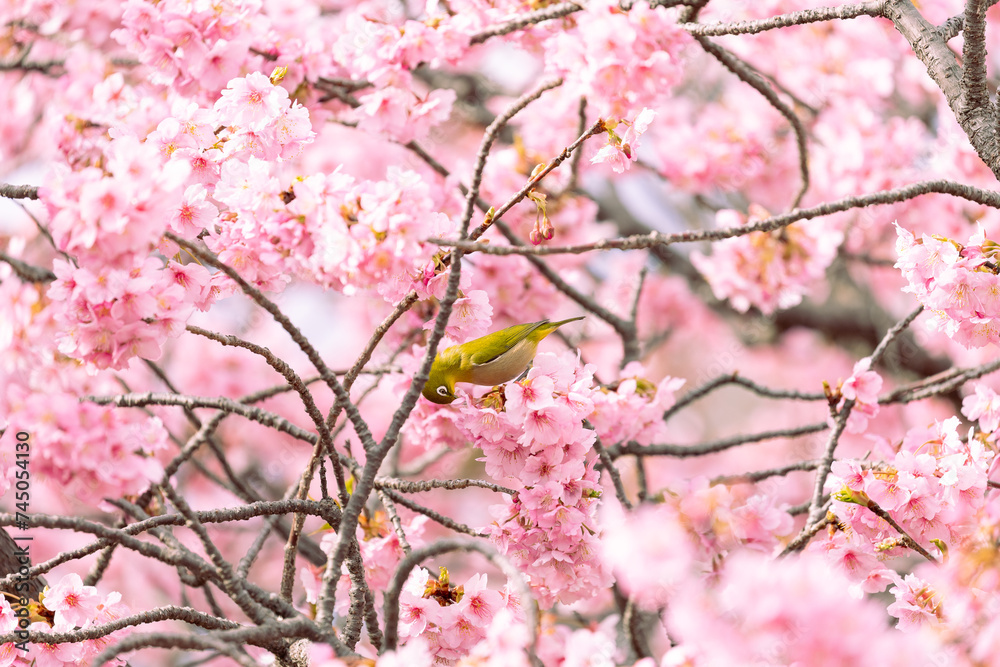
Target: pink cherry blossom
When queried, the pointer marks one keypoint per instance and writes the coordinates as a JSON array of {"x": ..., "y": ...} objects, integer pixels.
[
  {"x": 915, "y": 604},
  {"x": 863, "y": 385},
  {"x": 984, "y": 406},
  {"x": 73, "y": 603},
  {"x": 251, "y": 102},
  {"x": 931, "y": 487},
  {"x": 652, "y": 568},
  {"x": 945, "y": 276},
  {"x": 622, "y": 151},
  {"x": 625, "y": 60},
  {"x": 323, "y": 150},
  {"x": 768, "y": 270}
]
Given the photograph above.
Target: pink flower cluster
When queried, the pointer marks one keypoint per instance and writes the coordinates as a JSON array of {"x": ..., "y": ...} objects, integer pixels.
[
  {"x": 429, "y": 428},
  {"x": 504, "y": 644},
  {"x": 380, "y": 553},
  {"x": 649, "y": 550},
  {"x": 501, "y": 642},
  {"x": 400, "y": 114},
  {"x": 326, "y": 228},
  {"x": 862, "y": 388},
  {"x": 452, "y": 620},
  {"x": 724, "y": 520},
  {"x": 75, "y": 606},
  {"x": 984, "y": 406},
  {"x": 375, "y": 236},
  {"x": 854, "y": 556},
  {"x": 621, "y": 61},
  {"x": 916, "y": 603},
  {"x": 107, "y": 217},
  {"x": 117, "y": 302},
  {"x": 793, "y": 612},
  {"x": 633, "y": 411},
  {"x": 933, "y": 487},
  {"x": 621, "y": 151},
  {"x": 959, "y": 598},
  {"x": 89, "y": 451},
  {"x": 957, "y": 283},
  {"x": 190, "y": 45},
  {"x": 378, "y": 50},
  {"x": 767, "y": 270},
  {"x": 384, "y": 54},
  {"x": 23, "y": 322},
  {"x": 107, "y": 316},
  {"x": 471, "y": 314},
  {"x": 264, "y": 123},
  {"x": 9, "y": 653},
  {"x": 534, "y": 440},
  {"x": 257, "y": 123},
  {"x": 654, "y": 548},
  {"x": 590, "y": 646},
  {"x": 737, "y": 143},
  {"x": 333, "y": 231},
  {"x": 51, "y": 22},
  {"x": 537, "y": 444}
]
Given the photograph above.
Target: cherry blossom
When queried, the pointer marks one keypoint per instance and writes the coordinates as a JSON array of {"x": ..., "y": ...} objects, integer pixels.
[
  {"x": 622, "y": 151},
  {"x": 238, "y": 225},
  {"x": 767, "y": 270},
  {"x": 984, "y": 406},
  {"x": 955, "y": 282}
]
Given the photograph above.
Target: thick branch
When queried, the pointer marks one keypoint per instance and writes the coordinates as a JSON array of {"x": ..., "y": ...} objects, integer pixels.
[
  {"x": 761, "y": 85},
  {"x": 977, "y": 95},
  {"x": 930, "y": 47}
]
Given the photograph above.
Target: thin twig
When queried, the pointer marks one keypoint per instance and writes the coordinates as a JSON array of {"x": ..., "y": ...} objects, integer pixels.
[
  {"x": 758, "y": 83},
  {"x": 759, "y": 475},
  {"x": 436, "y": 517},
  {"x": 737, "y": 379},
  {"x": 968, "y": 192},
  {"x": 524, "y": 20},
  {"x": 703, "y": 449},
  {"x": 907, "y": 540},
  {"x": 803, "y": 17},
  {"x": 27, "y": 272},
  {"x": 227, "y": 405},
  {"x": 608, "y": 465},
  {"x": 404, "y": 486},
  {"x": 937, "y": 385},
  {"x": 841, "y": 417},
  {"x": 807, "y": 534},
  {"x": 892, "y": 334},
  {"x": 231, "y": 583}
]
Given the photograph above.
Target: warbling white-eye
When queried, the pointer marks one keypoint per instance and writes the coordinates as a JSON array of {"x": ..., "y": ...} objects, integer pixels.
[{"x": 492, "y": 359}]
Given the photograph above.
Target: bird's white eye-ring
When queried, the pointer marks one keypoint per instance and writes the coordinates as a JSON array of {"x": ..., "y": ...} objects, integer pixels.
[{"x": 442, "y": 390}]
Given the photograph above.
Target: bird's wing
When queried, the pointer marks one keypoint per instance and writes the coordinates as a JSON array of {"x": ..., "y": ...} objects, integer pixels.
[{"x": 497, "y": 343}]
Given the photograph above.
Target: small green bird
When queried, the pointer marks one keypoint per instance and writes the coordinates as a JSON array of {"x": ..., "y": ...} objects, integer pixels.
[{"x": 492, "y": 359}]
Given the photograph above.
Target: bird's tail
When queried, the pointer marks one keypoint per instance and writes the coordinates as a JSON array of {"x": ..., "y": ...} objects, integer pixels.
[
  {"x": 548, "y": 327},
  {"x": 556, "y": 325}
]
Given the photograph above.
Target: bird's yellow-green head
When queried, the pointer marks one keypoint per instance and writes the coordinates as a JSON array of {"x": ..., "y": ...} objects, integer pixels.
[
  {"x": 489, "y": 360},
  {"x": 440, "y": 387}
]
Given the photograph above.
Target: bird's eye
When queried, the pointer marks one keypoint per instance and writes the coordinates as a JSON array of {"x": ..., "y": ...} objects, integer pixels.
[{"x": 442, "y": 390}]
